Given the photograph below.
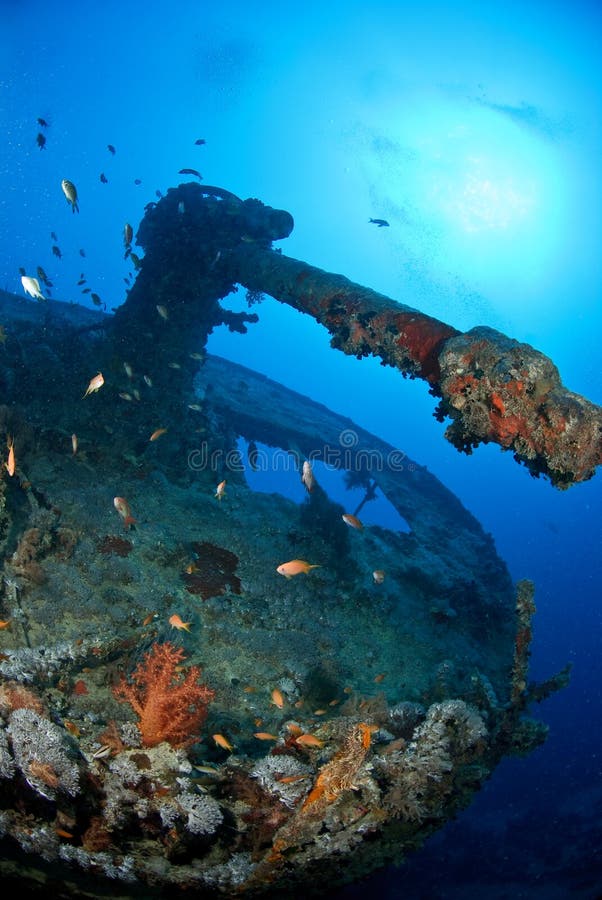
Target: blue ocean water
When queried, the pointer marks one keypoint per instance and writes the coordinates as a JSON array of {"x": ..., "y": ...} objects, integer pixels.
[{"x": 474, "y": 130}]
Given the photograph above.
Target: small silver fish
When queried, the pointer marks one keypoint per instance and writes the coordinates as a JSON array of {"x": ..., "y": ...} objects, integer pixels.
[
  {"x": 103, "y": 752},
  {"x": 307, "y": 476},
  {"x": 70, "y": 192},
  {"x": 31, "y": 286}
]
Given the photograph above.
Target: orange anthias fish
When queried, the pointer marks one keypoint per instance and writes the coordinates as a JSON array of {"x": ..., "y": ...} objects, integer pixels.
[
  {"x": 307, "y": 476},
  {"x": 309, "y": 740},
  {"x": 222, "y": 742},
  {"x": 123, "y": 508},
  {"x": 265, "y": 736},
  {"x": 294, "y": 567},
  {"x": 220, "y": 490},
  {"x": 95, "y": 384},
  {"x": 379, "y": 576},
  {"x": 157, "y": 434},
  {"x": 277, "y": 698},
  {"x": 352, "y": 521},
  {"x": 176, "y": 622},
  {"x": 4, "y": 623},
  {"x": 10, "y": 463}
]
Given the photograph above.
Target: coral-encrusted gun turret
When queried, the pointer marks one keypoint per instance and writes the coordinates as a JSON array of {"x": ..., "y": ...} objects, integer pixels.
[{"x": 201, "y": 241}]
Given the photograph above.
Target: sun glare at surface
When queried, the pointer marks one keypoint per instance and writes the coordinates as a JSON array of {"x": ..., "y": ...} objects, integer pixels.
[
  {"x": 474, "y": 187},
  {"x": 487, "y": 198}
]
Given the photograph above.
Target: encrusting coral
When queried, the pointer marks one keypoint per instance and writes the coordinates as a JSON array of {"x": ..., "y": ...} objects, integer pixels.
[
  {"x": 171, "y": 707},
  {"x": 339, "y": 773}
]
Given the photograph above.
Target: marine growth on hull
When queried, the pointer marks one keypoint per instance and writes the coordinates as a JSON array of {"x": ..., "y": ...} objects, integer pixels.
[{"x": 208, "y": 687}]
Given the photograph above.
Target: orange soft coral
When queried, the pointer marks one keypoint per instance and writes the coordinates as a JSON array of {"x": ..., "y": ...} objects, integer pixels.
[{"x": 171, "y": 706}]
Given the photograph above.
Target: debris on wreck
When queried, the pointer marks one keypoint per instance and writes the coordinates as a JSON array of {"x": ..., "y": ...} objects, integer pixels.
[{"x": 212, "y": 571}]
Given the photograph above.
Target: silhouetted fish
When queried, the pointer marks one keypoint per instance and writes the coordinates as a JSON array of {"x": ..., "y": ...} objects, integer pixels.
[
  {"x": 103, "y": 178},
  {"x": 111, "y": 149},
  {"x": 198, "y": 142},
  {"x": 380, "y": 222},
  {"x": 41, "y": 141},
  {"x": 191, "y": 172}
]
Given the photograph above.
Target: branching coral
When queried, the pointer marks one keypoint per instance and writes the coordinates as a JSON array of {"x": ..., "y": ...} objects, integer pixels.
[{"x": 171, "y": 707}]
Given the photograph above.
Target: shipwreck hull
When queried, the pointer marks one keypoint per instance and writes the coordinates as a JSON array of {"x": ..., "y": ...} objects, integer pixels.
[{"x": 348, "y": 719}]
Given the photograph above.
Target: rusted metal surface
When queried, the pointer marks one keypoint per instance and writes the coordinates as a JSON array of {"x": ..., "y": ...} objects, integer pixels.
[{"x": 495, "y": 389}]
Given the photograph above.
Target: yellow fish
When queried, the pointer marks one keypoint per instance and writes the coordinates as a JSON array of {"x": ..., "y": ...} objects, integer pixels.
[
  {"x": 294, "y": 567},
  {"x": 95, "y": 384},
  {"x": 70, "y": 192}
]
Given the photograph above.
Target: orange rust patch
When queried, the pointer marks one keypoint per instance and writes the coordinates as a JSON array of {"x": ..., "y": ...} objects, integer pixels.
[
  {"x": 498, "y": 403},
  {"x": 507, "y": 428},
  {"x": 422, "y": 338}
]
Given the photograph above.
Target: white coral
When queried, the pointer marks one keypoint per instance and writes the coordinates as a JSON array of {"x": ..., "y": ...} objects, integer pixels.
[
  {"x": 204, "y": 813},
  {"x": 271, "y": 769},
  {"x": 39, "y": 742},
  {"x": 7, "y": 765}
]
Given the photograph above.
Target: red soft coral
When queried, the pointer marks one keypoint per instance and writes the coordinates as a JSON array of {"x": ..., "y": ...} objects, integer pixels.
[{"x": 171, "y": 706}]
